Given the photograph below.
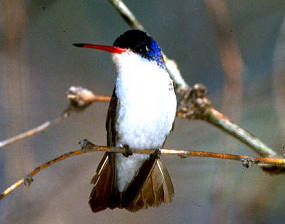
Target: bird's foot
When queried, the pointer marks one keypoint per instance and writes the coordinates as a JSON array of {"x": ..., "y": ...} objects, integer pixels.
[{"x": 128, "y": 151}]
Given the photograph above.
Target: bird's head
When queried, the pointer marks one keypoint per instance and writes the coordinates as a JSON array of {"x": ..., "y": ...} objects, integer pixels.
[{"x": 132, "y": 41}]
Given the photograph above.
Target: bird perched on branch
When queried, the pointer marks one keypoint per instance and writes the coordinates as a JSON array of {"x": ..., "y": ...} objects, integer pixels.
[{"x": 140, "y": 116}]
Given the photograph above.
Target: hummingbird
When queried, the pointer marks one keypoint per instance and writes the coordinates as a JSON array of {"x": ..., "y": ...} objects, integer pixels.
[{"x": 141, "y": 114}]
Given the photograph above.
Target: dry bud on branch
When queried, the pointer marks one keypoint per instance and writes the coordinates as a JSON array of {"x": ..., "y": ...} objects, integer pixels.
[{"x": 80, "y": 97}]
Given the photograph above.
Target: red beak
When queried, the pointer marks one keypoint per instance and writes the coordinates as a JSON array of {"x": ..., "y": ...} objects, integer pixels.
[{"x": 112, "y": 49}]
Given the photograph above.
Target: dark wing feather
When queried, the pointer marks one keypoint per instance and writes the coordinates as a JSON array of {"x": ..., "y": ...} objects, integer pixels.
[
  {"x": 105, "y": 194},
  {"x": 111, "y": 120}
]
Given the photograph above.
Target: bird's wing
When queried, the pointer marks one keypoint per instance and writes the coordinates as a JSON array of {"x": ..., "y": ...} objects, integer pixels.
[
  {"x": 105, "y": 194},
  {"x": 111, "y": 120}
]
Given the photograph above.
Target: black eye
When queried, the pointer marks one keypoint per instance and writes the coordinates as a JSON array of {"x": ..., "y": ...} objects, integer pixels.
[{"x": 142, "y": 49}]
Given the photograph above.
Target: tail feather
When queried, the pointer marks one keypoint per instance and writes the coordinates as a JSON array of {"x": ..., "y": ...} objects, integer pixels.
[
  {"x": 156, "y": 189},
  {"x": 151, "y": 187},
  {"x": 104, "y": 193}
]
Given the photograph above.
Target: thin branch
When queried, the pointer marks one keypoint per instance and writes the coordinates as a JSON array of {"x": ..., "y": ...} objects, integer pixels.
[
  {"x": 79, "y": 99},
  {"x": 221, "y": 121},
  {"x": 128, "y": 16},
  {"x": 195, "y": 104},
  {"x": 89, "y": 147},
  {"x": 12, "y": 188},
  {"x": 42, "y": 127}
]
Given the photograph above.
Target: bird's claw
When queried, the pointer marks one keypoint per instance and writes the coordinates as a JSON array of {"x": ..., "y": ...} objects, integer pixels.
[
  {"x": 128, "y": 151},
  {"x": 156, "y": 154}
]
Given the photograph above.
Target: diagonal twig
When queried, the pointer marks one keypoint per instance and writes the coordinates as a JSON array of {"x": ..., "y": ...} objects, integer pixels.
[
  {"x": 129, "y": 17},
  {"x": 79, "y": 99},
  {"x": 41, "y": 128},
  {"x": 221, "y": 121}
]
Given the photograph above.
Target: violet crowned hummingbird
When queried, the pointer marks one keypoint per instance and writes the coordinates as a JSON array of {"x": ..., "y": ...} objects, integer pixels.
[{"x": 140, "y": 116}]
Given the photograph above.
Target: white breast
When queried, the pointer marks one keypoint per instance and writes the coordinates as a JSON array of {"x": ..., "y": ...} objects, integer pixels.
[{"x": 146, "y": 110}]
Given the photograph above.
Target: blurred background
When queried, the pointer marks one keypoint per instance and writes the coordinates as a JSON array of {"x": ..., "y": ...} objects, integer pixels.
[{"x": 235, "y": 47}]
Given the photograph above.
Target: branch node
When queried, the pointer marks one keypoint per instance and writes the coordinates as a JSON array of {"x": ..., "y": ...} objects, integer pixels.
[
  {"x": 86, "y": 145},
  {"x": 248, "y": 162},
  {"x": 28, "y": 180},
  {"x": 193, "y": 102},
  {"x": 79, "y": 97}
]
